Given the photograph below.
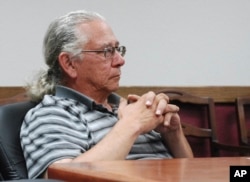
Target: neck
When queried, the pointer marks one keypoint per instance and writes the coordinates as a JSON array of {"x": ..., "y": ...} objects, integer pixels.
[{"x": 99, "y": 96}]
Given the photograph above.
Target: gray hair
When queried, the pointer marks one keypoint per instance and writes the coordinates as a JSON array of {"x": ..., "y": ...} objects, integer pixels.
[{"x": 62, "y": 36}]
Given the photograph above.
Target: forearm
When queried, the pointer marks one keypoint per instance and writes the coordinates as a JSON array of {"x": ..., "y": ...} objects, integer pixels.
[
  {"x": 134, "y": 119},
  {"x": 114, "y": 146},
  {"x": 177, "y": 144}
]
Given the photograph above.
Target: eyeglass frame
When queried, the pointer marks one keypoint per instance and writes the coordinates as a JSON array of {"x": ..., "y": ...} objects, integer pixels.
[{"x": 110, "y": 50}]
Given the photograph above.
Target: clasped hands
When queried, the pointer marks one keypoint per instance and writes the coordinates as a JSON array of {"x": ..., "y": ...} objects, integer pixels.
[{"x": 151, "y": 112}]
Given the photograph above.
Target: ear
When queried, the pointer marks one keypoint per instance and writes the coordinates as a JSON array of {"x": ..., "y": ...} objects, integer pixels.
[{"x": 67, "y": 64}]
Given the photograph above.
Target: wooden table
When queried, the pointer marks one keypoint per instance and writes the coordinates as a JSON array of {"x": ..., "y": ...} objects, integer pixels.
[{"x": 169, "y": 170}]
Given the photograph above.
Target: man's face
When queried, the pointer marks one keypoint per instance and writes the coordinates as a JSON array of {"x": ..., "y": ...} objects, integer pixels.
[{"x": 97, "y": 72}]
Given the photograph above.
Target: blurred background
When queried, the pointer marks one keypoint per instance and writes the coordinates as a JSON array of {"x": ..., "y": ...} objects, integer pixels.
[{"x": 169, "y": 42}]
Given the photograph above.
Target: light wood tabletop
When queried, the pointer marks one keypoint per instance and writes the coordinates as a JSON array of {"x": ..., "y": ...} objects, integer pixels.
[{"x": 168, "y": 170}]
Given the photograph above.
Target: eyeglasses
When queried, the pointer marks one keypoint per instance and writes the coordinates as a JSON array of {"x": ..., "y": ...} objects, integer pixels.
[{"x": 110, "y": 51}]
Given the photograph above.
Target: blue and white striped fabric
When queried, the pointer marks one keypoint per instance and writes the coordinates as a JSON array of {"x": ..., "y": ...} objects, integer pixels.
[{"x": 61, "y": 127}]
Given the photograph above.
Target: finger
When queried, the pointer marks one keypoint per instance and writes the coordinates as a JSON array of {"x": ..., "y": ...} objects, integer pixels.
[
  {"x": 162, "y": 102},
  {"x": 132, "y": 98},
  {"x": 123, "y": 103},
  {"x": 149, "y": 98},
  {"x": 161, "y": 107},
  {"x": 161, "y": 96},
  {"x": 167, "y": 119},
  {"x": 171, "y": 108}
]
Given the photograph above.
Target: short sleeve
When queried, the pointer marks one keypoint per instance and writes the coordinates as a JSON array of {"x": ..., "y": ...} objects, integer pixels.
[{"x": 52, "y": 131}]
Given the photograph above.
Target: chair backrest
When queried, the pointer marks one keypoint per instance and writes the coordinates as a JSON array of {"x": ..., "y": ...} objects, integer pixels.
[
  {"x": 1, "y": 177},
  {"x": 199, "y": 125},
  {"x": 21, "y": 97},
  {"x": 12, "y": 162},
  {"x": 243, "y": 118},
  {"x": 198, "y": 121}
]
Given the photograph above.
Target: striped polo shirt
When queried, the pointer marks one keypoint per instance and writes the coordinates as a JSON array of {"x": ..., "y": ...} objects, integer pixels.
[{"x": 68, "y": 124}]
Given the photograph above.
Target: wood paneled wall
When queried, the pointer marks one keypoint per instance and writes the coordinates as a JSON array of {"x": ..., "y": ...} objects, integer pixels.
[{"x": 221, "y": 94}]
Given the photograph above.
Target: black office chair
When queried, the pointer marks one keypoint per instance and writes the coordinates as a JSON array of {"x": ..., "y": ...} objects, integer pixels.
[
  {"x": 12, "y": 162},
  {"x": 1, "y": 177}
]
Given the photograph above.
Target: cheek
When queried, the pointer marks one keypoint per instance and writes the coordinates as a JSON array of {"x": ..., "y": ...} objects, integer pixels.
[
  {"x": 103, "y": 75},
  {"x": 99, "y": 74},
  {"x": 96, "y": 72}
]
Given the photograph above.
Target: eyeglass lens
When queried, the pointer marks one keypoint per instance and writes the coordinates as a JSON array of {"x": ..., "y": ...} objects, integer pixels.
[{"x": 109, "y": 52}]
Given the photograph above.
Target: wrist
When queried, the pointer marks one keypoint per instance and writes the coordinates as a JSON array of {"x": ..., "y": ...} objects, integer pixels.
[
  {"x": 126, "y": 129},
  {"x": 173, "y": 134}
]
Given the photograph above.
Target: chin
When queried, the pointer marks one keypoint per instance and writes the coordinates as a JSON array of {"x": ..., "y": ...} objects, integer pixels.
[{"x": 114, "y": 88}]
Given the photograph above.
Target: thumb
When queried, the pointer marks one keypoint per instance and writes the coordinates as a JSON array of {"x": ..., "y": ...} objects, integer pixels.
[
  {"x": 123, "y": 103},
  {"x": 133, "y": 98}
]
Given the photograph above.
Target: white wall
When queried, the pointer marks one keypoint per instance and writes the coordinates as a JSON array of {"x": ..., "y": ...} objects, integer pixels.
[{"x": 169, "y": 42}]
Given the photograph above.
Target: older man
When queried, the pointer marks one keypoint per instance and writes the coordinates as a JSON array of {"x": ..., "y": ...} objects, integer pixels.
[{"x": 78, "y": 117}]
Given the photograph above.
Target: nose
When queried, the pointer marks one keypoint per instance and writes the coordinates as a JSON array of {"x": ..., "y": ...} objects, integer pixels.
[{"x": 118, "y": 59}]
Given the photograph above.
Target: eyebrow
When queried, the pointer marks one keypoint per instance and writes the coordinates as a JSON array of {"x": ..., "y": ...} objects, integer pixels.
[{"x": 117, "y": 43}]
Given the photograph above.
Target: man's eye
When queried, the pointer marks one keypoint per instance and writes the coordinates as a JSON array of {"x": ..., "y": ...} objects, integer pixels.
[{"x": 110, "y": 49}]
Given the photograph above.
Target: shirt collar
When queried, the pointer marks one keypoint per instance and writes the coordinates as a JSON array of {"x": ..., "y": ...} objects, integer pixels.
[{"x": 62, "y": 91}]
